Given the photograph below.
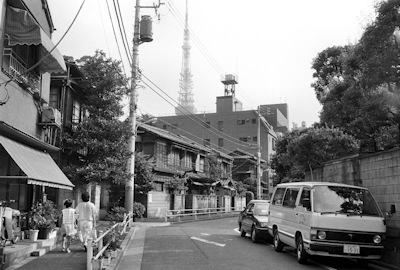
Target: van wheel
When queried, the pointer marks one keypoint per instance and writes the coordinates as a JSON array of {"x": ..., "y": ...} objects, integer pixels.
[
  {"x": 301, "y": 253},
  {"x": 278, "y": 245},
  {"x": 254, "y": 237},
  {"x": 242, "y": 233}
]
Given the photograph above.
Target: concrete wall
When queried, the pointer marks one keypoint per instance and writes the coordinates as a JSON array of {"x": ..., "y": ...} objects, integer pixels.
[{"x": 157, "y": 203}]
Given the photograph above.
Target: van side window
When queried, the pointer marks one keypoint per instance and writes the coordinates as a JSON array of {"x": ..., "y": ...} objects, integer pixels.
[
  {"x": 277, "y": 200},
  {"x": 290, "y": 197},
  {"x": 305, "y": 199}
]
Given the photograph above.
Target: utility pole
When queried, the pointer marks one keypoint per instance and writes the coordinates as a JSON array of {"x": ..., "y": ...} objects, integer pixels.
[
  {"x": 141, "y": 33},
  {"x": 259, "y": 196}
]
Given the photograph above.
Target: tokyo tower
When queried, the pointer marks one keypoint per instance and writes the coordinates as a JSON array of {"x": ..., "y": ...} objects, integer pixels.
[{"x": 185, "y": 100}]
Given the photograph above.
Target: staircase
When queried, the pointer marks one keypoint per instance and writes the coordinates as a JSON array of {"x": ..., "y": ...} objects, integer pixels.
[{"x": 23, "y": 249}]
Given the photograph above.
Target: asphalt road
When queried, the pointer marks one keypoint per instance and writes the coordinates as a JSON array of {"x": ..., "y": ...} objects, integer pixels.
[{"x": 216, "y": 244}]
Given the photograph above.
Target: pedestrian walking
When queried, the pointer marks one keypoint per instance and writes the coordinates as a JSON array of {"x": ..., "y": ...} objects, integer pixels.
[
  {"x": 87, "y": 214},
  {"x": 68, "y": 225}
]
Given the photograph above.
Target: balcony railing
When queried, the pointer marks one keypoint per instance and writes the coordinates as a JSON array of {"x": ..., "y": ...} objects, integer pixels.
[{"x": 16, "y": 68}]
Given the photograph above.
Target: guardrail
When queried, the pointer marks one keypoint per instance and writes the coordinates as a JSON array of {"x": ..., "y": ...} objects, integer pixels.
[
  {"x": 181, "y": 213},
  {"x": 92, "y": 258}
]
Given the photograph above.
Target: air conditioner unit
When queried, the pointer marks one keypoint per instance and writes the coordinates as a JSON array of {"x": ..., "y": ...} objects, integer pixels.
[{"x": 51, "y": 115}]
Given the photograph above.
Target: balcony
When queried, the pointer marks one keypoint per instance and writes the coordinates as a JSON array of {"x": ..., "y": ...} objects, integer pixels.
[{"x": 17, "y": 69}]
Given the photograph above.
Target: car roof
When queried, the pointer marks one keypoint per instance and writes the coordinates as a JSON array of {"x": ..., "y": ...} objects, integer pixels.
[{"x": 313, "y": 184}]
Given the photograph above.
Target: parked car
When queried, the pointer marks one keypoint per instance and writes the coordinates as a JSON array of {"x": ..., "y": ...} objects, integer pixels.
[
  {"x": 327, "y": 219},
  {"x": 254, "y": 220}
]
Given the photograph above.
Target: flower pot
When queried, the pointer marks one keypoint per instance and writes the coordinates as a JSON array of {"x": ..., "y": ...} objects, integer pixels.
[
  {"x": 107, "y": 261},
  {"x": 113, "y": 254},
  {"x": 33, "y": 235}
]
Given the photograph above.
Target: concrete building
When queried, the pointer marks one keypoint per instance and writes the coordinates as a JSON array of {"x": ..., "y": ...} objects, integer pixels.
[
  {"x": 230, "y": 127},
  {"x": 28, "y": 125}
]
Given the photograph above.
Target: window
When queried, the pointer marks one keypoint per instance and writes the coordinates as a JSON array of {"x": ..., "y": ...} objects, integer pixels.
[
  {"x": 221, "y": 125},
  {"x": 254, "y": 121},
  {"x": 158, "y": 186},
  {"x": 305, "y": 199},
  {"x": 273, "y": 144},
  {"x": 290, "y": 197},
  {"x": 174, "y": 126},
  {"x": 207, "y": 124},
  {"x": 243, "y": 139},
  {"x": 255, "y": 139},
  {"x": 277, "y": 200},
  {"x": 54, "y": 101},
  {"x": 221, "y": 142},
  {"x": 241, "y": 122},
  {"x": 164, "y": 126},
  {"x": 76, "y": 110}
]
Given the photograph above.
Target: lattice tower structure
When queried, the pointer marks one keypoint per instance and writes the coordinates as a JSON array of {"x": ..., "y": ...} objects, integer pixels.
[{"x": 185, "y": 99}]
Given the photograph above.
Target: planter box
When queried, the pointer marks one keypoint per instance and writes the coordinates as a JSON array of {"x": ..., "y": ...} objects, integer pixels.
[
  {"x": 98, "y": 264},
  {"x": 107, "y": 261},
  {"x": 113, "y": 254}
]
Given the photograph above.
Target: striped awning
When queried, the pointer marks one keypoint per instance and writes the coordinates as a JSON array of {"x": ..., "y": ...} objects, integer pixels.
[
  {"x": 22, "y": 29},
  {"x": 38, "y": 167}
]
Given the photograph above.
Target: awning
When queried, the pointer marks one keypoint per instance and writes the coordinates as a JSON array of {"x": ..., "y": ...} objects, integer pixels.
[
  {"x": 22, "y": 29},
  {"x": 39, "y": 167}
]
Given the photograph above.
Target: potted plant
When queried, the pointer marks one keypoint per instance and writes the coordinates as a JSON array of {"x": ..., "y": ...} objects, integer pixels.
[
  {"x": 43, "y": 217},
  {"x": 138, "y": 210}
]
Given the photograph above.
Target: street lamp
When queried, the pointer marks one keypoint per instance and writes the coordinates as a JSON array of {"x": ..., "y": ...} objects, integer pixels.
[{"x": 144, "y": 34}]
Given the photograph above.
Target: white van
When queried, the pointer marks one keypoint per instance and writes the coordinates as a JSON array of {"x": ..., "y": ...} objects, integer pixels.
[{"x": 326, "y": 219}]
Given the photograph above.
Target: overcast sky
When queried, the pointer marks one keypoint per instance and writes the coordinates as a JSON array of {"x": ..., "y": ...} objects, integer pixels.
[{"x": 269, "y": 44}]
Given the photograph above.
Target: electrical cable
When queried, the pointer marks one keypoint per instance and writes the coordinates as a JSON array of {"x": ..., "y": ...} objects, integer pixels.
[
  {"x": 115, "y": 36},
  {"x": 123, "y": 31},
  {"x": 49, "y": 52},
  {"x": 197, "y": 119}
]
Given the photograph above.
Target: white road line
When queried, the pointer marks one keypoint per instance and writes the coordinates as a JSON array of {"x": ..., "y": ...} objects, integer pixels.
[{"x": 206, "y": 241}]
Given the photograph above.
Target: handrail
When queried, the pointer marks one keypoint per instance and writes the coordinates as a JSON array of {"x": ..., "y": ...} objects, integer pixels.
[
  {"x": 179, "y": 213},
  {"x": 99, "y": 240}
]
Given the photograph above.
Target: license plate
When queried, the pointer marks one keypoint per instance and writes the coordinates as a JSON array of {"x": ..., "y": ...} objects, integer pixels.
[{"x": 351, "y": 249}]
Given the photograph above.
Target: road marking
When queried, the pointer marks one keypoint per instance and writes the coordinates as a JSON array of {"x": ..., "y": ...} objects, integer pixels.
[{"x": 207, "y": 241}]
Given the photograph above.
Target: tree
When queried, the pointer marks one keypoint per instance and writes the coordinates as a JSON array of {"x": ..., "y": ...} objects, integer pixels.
[
  {"x": 96, "y": 146},
  {"x": 358, "y": 85},
  {"x": 300, "y": 150}
]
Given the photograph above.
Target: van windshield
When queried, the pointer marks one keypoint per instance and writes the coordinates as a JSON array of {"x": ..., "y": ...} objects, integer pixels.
[{"x": 344, "y": 200}]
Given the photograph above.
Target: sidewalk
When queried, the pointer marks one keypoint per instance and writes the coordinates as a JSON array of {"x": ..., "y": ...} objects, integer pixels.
[{"x": 76, "y": 260}]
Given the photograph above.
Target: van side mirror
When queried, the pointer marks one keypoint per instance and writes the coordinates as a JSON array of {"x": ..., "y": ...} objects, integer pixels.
[{"x": 392, "y": 210}]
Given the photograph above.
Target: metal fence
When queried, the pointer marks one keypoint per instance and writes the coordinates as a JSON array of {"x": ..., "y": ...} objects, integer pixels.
[
  {"x": 92, "y": 260},
  {"x": 188, "y": 214}
]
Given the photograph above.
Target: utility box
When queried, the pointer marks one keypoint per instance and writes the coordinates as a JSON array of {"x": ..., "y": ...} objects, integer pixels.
[{"x": 146, "y": 24}]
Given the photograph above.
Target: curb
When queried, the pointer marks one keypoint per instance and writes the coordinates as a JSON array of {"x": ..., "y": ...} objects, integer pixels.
[{"x": 115, "y": 263}]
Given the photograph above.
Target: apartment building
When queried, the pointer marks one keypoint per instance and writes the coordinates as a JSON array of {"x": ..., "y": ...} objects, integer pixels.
[{"x": 28, "y": 124}]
